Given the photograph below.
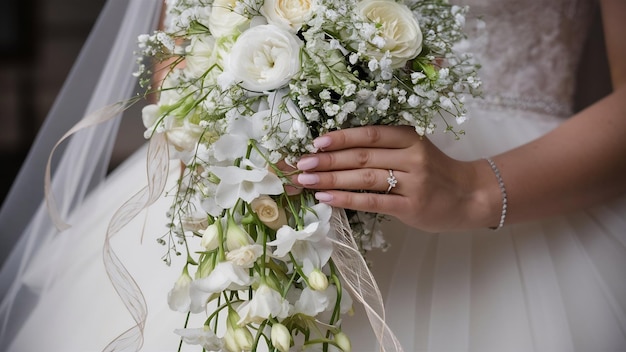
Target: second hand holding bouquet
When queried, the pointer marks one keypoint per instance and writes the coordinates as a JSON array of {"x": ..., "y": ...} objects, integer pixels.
[{"x": 252, "y": 83}]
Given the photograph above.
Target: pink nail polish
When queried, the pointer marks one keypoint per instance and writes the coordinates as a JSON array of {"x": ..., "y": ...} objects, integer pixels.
[
  {"x": 308, "y": 179},
  {"x": 323, "y": 197},
  {"x": 322, "y": 142},
  {"x": 308, "y": 163}
]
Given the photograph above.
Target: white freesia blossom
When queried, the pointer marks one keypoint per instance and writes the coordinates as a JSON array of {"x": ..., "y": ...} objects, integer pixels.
[
  {"x": 264, "y": 58},
  {"x": 316, "y": 229},
  {"x": 225, "y": 275},
  {"x": 223, "y": 20},
  {"x": 245, "y": 256},
  {"x": 321, "y": 303},
  {"x": 288, "y": 14},
  {"x": 243, "y": 183},
  {"x": 266, "y": 303},
  {"x": 204, "y": 337},
  {"x": 234, "y": 143},
  {"x": 399, "y": 32},
  {"x": 313, "y": 302},
  {"x": 178, "y": 298}
]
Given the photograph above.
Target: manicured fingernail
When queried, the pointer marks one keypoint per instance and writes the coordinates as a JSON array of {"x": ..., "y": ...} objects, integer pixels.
[
  {"x": 308, "y": 163},
  {"x": 308, "y": 179},
  {"x": 322, "y": 142},
  {"x": 323, "y": 196}
]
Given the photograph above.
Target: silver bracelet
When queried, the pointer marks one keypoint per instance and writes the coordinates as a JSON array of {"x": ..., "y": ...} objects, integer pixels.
[{"x": 496, "y": 171}]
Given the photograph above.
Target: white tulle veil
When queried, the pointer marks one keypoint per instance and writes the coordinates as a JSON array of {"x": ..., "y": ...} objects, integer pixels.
[{"x": 102, "y": 75}]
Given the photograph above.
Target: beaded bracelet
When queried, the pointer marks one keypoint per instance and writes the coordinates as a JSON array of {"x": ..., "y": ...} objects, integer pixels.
[{"x": 502, "y": 191}]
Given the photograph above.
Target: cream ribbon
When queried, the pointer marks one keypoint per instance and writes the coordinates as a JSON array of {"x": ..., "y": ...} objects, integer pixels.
[
  {"x": 157, "y": 170},
  {"x": 360, "y": 281}
]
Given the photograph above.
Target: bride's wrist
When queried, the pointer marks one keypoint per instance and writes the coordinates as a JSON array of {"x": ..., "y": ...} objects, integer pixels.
[{"x": 487, "y": 206}]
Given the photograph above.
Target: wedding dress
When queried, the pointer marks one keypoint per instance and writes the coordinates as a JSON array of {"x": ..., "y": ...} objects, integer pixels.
[{"x": 555, "y": 285}]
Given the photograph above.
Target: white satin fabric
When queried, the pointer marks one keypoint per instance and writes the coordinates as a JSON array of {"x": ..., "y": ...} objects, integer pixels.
[{"x": 555, "y": 285}]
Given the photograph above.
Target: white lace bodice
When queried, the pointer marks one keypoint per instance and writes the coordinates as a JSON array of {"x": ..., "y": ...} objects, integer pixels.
[{"x": 531, "y": 49}]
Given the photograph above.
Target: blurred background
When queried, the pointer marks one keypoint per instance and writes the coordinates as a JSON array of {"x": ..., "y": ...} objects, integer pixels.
[
  {"x": 39, "y": 42},
  {"x": 40, "y": 39}
]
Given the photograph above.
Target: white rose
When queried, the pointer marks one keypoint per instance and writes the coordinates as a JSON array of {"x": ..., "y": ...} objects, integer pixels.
[
  {"x": 224, "y": 20},
  {"x": 200, "y": 58},
  {"x": 398, "y": 28},
  {"x": 268, "y": 212},
  {"x": 184, "y": 135},
  {"x": 288, "y": 14},
  {"x": 265, "y": 58}
]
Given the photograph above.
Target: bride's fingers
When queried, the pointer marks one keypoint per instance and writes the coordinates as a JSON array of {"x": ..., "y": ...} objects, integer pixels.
[
  {"x": 369, "y": 137},
  {"x": 370, "y": 180},
  {"x": 357, "y": 158},
  {"x": 370, "y": 202}
]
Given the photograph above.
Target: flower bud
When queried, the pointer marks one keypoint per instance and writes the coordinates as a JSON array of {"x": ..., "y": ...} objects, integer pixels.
[
  {"x": 236, "y": 237},
  {"x": 343, "y": 342},
  {"x": 210, "y": 238},
  {"x": 281, "y": 338},
  {"x": 317, "y": 280},
  {"x": 244, "y": 339}
]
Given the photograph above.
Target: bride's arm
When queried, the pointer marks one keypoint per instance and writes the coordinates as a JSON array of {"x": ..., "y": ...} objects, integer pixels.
[{"x": 577, "y": 165}]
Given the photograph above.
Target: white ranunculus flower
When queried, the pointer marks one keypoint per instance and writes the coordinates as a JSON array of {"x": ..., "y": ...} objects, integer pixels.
[
  {"x": 288, "y": 14},
  {"x": 399, "y": 30},
  {"x": 265, "y": 58},
  {"x": 223, "y": 20}
]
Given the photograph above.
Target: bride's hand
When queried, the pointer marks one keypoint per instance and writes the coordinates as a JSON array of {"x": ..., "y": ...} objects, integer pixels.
[{"x": 433, "y": 192}]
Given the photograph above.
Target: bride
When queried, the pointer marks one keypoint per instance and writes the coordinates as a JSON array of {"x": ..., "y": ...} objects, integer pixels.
[{"x": 549, "y": 278}]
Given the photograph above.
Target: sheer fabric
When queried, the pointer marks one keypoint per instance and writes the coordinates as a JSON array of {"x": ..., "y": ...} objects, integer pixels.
[{"x": 101, "y": 76}]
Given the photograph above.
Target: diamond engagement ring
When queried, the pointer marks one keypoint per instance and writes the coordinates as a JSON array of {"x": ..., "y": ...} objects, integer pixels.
[{"x": 391, "y": 180}]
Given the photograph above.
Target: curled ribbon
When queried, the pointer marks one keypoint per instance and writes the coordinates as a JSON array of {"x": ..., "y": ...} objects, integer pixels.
[
  {"x": 360, "y": 281},
  {"x": 123, "y": 282}
]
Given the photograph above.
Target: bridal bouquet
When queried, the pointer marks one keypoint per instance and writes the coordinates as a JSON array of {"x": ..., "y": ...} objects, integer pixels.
[{"x": 250, "y": 83}]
